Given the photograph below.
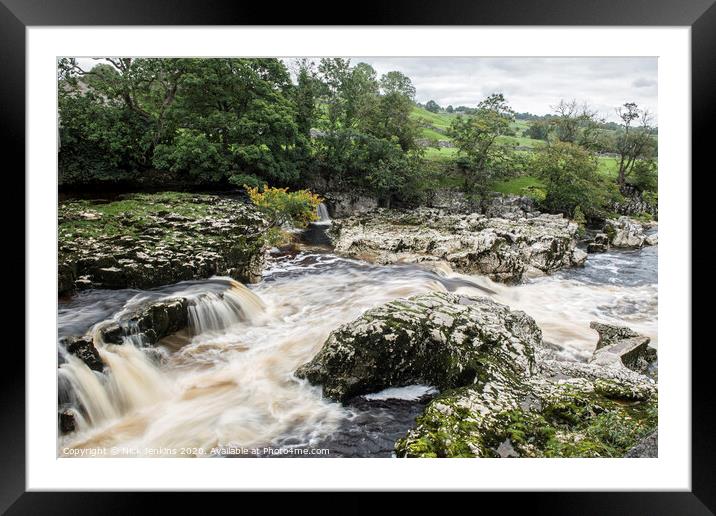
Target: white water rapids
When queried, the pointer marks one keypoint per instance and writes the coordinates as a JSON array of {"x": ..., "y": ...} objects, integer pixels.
[{"x": 229, "y": 382}]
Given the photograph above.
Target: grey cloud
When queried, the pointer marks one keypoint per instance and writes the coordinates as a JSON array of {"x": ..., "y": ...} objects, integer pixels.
[
  {"x": 530, "y": 84},
  {"x": 643, "y": 82}
]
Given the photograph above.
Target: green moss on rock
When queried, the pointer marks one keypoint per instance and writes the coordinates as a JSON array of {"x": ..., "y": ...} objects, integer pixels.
[
  {"x": 554, "y": 420},
  {"x": 440, "y": 339},
  {"x": 146, "y": 240}
]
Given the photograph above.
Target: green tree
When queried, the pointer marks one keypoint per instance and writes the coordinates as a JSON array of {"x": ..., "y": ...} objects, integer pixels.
[
  {"x": 634, "y": 143},
  {"x": 391, "y": 120},
  {"x": 432, "y": 106},
  {"x": 576, "y": 123},
  {"x": 481, "y": 157},
  {"x": 306, "y": 94},
  {"x": 573, "y": 186},
  {"x": 645, "y": 176},
  {"x": 397, "y": 83},
  {"x": 203, "y": 119},
  {"x": 537, "y": 130}
]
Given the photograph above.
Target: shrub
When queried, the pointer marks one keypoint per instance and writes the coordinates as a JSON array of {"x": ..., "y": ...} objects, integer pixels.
[{"x": 281, "y": 206}]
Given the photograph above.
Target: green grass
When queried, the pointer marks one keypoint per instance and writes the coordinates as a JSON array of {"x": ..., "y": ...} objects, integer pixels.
[
  {"x": 432, "y": 134},
  {"x": 442, "y": 154},
  {"x": 139, "y": 208},
  {"x": 439, "y": 120},
  {"x": 607, "y": 167},
  {"x": 517, "y": 185}
]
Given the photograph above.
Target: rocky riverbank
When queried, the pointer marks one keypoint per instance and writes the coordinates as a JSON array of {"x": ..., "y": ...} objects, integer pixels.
[
  {"x": 148, "y": 240},
  {"x": 504, "y": 395},
  {"x": 506, "y": 249},
  {"x": 624, "y": 233}
]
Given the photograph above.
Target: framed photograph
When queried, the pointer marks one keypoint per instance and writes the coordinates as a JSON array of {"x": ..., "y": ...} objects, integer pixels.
[{"x": 433, "y": 250}]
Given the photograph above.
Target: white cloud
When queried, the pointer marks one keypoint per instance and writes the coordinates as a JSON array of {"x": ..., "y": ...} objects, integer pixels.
[{"x": 529, "y": 83}]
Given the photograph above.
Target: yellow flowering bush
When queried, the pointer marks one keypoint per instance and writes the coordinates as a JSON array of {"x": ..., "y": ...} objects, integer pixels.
[{"x": 281, "y": 206}]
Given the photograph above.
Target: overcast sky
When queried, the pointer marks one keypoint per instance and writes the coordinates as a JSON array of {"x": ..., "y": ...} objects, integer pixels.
[{"x": 530, "y": 84}]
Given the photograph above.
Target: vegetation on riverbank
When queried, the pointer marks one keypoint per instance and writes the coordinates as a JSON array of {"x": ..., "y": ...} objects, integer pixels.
[{"x": 333, "y": 125}]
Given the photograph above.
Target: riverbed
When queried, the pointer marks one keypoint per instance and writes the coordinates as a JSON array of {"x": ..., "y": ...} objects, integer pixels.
[{"x": 229, "y": 385}]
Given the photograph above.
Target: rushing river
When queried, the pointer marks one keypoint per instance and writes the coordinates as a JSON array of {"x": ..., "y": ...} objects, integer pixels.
[{"x": 228, "y": 383}]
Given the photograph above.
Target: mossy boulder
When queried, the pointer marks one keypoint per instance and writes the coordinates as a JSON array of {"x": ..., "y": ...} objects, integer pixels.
[
  {"x": 503, "y": 393},
  {"x": 540, "y": 417},
  {"x": 441, "y": 339},
  {"x": 148, "y": 240}
]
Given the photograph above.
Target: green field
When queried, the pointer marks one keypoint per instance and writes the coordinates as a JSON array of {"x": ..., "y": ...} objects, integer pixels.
[
  {"x": 433, "y": 126},
  {"x": 608, "y": 167},
  {"x": 442, "y": 154},
  {"x": 517, "y": 185}
]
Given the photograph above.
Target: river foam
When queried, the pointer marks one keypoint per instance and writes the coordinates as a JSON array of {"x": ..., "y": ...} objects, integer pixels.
[{"x": 231, "y": 384}]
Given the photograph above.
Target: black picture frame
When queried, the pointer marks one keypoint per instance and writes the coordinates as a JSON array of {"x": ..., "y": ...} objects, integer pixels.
[{"x": 17, "y": 15}]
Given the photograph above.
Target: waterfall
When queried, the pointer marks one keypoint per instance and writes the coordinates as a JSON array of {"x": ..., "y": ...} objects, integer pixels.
[
  {"x": 324, "y": 219},
  {"x": 132, "y": 379},
  {"x": 213, "y": 312}
]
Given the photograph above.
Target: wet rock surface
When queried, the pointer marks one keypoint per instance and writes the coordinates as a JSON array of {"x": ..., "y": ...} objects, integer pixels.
[
  {"x": 504, "y": 393},
  {"x": 147, "y": 240},
  {"x": 67, "y": 422},
  {"x": 342, "y": 204},
  {"x": 440, "y": 339},
  {"x": 505, "y": 249},
  {"x": 83, "y": 348},
  {"x": 599, "y": 244},
  {"x": 154, "y": 322}
]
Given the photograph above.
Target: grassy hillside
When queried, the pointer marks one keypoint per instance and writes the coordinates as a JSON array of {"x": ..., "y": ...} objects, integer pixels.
[{"x": 434, "y": 126}]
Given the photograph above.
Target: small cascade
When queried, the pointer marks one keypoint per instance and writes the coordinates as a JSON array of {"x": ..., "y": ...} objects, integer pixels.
[
  {"x": 324, "y": 219},
  {"x": 316, "y": 233},
  {"x": 214, "y": 312},
  {"x": 132, "y": 379}
]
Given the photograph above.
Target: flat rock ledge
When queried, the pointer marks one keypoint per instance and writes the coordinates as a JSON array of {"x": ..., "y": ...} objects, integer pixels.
[
  {"x": 148, "y": 240},
  {"x": 503, "y": 394},
  {"x": 506, "y": 249},
  {"x": 620, "y": 346}
]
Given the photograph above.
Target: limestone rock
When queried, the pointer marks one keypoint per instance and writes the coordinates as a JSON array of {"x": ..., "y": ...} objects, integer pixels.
[
  {"x": 648, "y": 447},
  {"x": 622, "y": 346},
  {"x": 625, "y": 232},
  {"x": 84, "y": 349},
  {"x": 154, "y": 322},
  {"x": 599, "y": 244},
  {"x": 67, "y": 421},
  {"x": 159, "y": 239},
  {"x": 440, "y": 339},
  {"x": 501, "y": 248},
  {"x": 342, "y": 204},
  {"x": 502, "y": 392}
]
